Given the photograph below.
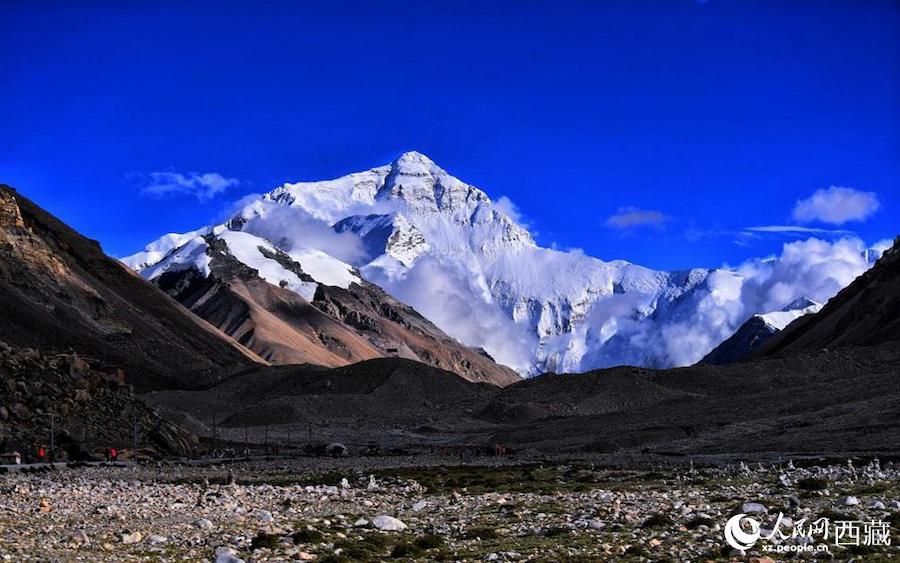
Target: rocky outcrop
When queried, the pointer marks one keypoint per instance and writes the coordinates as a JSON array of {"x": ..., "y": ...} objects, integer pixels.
[{"x": 91, "y": 408}]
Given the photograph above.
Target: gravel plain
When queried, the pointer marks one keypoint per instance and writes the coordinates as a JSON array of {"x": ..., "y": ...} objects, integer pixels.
[{"x": 375, "y": 509}]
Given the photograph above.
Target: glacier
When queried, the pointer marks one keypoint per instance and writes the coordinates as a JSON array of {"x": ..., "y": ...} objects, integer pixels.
[{"x": 445, "y": 248}]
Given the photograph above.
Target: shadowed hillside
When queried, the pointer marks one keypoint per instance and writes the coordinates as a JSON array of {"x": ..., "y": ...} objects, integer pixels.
[{"x": 59, "y": 291}]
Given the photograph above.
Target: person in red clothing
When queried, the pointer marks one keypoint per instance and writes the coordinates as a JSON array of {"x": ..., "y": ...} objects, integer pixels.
[
  {"x": 113, "y": 454},
  {"x": 42, "y": 455}
]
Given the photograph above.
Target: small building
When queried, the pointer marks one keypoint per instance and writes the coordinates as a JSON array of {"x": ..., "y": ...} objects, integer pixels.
[{"x": 11, "y": 458}]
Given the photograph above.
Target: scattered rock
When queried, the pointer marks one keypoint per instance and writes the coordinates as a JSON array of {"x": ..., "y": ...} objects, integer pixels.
[
  {"x": 131, "y": 537},
  {"x": 203, "y": 524},
  {"x": 754, "y": 508},
  {"x": 388, "y": 523},
  {"x": 847, "y": 501},
  {"x": 227, "y": 555},
  {"x": 80, "y": 537}
]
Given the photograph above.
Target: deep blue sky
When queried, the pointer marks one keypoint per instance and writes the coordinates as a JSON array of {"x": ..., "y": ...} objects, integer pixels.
[{"x": 719, "y": 115}]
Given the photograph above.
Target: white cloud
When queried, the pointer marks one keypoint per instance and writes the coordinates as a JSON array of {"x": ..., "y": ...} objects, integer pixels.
[
  {"x": 291, "y": 227},
  {"x": 633, "y": 217},
  {"x": 505, "y": 205},
  {"x": 795, "y": 230},
  {"x": 202, "y": 186},
  {"x": 836, "y": 205},
  {"x": 814, "y": 268},
  {"x": 233, "y": 208},
  {"x": 882, "y": 245},
  {"x": 458, "y": 300}
]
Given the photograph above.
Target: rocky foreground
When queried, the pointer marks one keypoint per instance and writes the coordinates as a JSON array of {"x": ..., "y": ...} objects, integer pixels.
[{"x": 354, "y": 509}]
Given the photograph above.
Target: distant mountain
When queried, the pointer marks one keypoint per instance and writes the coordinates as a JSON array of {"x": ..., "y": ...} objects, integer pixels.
[
  {"x": 757, "y": 330},
  {"x": 464, "y": 262},
  {"x": 865, "y": 313},
  {"x": 60, "y": 292}
]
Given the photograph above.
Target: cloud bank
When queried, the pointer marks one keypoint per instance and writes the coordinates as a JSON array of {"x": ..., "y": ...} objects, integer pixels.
[
  {"x": 836, "y": 205},
  {"x": 814, "y": 268},
  {"x": 624, "y": 328},
  {"x": 460, "y": 304}
]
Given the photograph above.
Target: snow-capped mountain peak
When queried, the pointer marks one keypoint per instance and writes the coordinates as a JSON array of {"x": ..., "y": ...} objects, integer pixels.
[
  {"x": 414, "y": 163},
  {"x": 444, "y": 247}
]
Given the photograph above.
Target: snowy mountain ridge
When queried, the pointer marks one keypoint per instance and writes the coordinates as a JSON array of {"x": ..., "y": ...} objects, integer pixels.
[
  {"x": 445, "y": 248},
  {"x": 789, "y": 313}
]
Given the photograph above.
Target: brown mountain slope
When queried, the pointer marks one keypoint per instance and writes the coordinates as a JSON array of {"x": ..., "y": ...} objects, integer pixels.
[
  {"x": 865, "y": 313},
  {"x": 391, "y": 325},
  {"x": 274, "y": 322},
  {"x": 59, "y": 291},
  {"x": 339, "y": 327}
]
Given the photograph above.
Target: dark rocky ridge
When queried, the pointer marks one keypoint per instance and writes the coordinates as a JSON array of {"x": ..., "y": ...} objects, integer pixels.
[
  {"x": 844, "y": 400},
  {"x": 59, "y": 291},
  {"x": 750, "y": 336}
]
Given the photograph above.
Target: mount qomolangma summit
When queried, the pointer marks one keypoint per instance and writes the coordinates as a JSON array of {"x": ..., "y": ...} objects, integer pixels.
[{"x": 446, "y": 249}]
